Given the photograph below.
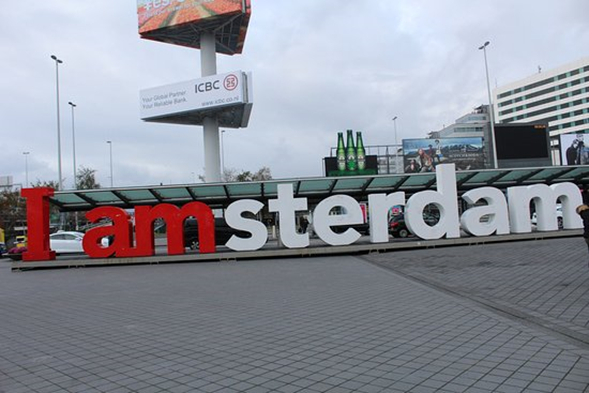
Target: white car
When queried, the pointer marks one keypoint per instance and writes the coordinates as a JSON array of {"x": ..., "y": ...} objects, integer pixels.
[
  {"x": 558, "y": 213},
  {"x": 66, "y": 242}
]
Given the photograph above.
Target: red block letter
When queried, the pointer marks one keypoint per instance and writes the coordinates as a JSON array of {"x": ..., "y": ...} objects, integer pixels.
[
  {"x": 38, "y": 224},
  {"x": 174, "y": 218},
  {"x": 121, "y": 229}
]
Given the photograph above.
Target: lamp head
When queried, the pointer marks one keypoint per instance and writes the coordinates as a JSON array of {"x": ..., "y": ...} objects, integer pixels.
[{"x": 484, "y": 45}]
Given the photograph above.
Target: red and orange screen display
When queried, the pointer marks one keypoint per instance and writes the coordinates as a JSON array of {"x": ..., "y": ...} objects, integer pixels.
[{"x": 158, "y": 14}]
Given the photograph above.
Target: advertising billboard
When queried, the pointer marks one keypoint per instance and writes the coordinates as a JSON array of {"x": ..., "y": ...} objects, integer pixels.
[
  {"x": 574, "y": 149},
  {"x": 351, "y": 158},
  {"x": 180, "y": 21},
  {"x": 184, "y": 100},
  {"x": 423, "y": 155},
  {"x": 331, "y": 167}
]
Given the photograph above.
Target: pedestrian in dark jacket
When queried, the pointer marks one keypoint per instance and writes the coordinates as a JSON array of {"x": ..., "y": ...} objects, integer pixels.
[{"x": 583, "y": 211}]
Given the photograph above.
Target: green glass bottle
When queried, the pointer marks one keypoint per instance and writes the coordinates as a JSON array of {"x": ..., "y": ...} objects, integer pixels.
[
  {"x": 351, "y": 163},
  {"x": 360, "y": 152},
  {"x": 341, "y": 152}
]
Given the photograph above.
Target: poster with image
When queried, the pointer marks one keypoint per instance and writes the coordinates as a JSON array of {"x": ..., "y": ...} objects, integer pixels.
[
  {"x": 423, "y": 155},
  {"x": 574, "y": 149}
]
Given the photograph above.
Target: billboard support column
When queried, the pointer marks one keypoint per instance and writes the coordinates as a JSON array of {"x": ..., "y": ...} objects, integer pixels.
[
  {"x": 208, "y": 63},
  {"x": 212, "y": 148},
  {"x": 208, "y": 54}
]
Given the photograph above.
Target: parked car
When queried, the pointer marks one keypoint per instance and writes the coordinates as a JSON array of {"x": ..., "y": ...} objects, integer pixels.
[
  {"x": 558, "y": 216},
  {"x": 398, "y": 227},
  {"x": 223, "y": 232},
  {"x": 20, "y": 247},
  {"x": 63, "y": 242},
  {"x": 15, "y": 253},
  {"x": 363, "y": 229}
]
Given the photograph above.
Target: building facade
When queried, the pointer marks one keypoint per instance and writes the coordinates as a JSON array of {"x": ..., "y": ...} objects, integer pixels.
[
  {"x": 474, "y": 124},
  {"x": 558, "y": 97}
]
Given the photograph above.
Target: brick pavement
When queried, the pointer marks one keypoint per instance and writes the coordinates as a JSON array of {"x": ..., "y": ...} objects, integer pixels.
[
  {"x": 543, "y": 282},
  {"x": 460, "y": 319}
]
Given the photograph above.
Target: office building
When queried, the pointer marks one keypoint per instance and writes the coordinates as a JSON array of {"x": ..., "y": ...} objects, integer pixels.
[{"x": 557, "y": 97}]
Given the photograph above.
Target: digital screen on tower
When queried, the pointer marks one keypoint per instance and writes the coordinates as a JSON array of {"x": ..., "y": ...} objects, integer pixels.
[
  {"x": 182, "y": 22},
  {"x": 159, "y": 14}
]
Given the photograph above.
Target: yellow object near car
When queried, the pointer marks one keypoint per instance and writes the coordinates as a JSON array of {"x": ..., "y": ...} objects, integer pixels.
[{"x": 21, "y": 241}]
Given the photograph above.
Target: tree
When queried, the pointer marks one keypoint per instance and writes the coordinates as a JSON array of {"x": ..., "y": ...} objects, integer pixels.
[
  {"x": 231, "y": 175},
  {"x": 54, "y": 215},
  {"x": 46, "y": 183},
  {"x": 86, "y": 179},
  {"x": 12, "y": 212}
]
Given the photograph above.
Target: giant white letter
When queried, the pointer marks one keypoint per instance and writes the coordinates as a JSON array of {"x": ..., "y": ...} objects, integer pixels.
[
  {"x": 446, "y": 200},
  {"x": 323, "y": 221},
  {"x": 495, "y": 210},
  {"x": 234, "y": 218},
  {"x": 286, "y": 206},
  {"x": 379, "y": 206},
  {"x": 545, "y": 198}
]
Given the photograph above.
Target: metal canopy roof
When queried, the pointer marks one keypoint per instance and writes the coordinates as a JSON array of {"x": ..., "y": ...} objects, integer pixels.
[{"x": 219, "y": 195}]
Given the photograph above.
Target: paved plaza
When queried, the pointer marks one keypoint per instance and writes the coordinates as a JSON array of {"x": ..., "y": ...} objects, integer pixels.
[{"x": 504, "y": 317}]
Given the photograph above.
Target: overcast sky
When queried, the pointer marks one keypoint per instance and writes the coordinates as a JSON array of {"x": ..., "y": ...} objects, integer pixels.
[{"x": 319, "y": 67}]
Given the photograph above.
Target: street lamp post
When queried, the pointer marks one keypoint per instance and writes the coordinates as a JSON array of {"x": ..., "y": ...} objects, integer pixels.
[
  {"x": 26, "y": 154},
  {"x": 396, "y": 146},
  {"x": 222, "y": 154},
  {"x": 57, "y": 63},
  {"x": 110, "y": 149},
  {"x": 74, "y": 146},
  {"x": 491, "y": 117}
]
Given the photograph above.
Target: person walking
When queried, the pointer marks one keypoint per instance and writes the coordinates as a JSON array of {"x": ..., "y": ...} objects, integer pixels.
[{"x": 583, "y": 211}]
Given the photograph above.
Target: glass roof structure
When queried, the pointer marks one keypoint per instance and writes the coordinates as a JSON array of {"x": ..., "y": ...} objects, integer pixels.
[{"x": 220, "y": 195}]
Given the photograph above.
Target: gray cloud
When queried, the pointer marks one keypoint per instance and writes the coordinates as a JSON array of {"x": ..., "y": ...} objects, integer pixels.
[{"x": 319, "y": 67}]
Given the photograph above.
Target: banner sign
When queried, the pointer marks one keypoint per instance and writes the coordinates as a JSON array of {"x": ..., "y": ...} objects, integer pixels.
[
  {"x": 208, "y": 93},
  {"x": 423, "y": 155}
]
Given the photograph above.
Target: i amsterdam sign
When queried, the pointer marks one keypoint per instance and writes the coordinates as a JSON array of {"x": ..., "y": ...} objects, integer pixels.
[{"x": 505, "y": 214}]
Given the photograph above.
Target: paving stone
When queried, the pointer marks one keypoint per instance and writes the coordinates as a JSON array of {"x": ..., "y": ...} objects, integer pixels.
[{"x": 446, "y": 319}]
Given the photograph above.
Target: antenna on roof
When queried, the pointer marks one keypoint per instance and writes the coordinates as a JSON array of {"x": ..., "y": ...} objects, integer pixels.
[{"x": 539, "y": 70}]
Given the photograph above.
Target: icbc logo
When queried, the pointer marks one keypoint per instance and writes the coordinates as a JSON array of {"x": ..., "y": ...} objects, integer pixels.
[
  {"x": 206, "y": 86},
  {"x": 230, "y": 82}
]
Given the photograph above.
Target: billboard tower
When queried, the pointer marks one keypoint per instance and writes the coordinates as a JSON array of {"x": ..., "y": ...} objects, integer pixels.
[{"x": 214, "y": 100}]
